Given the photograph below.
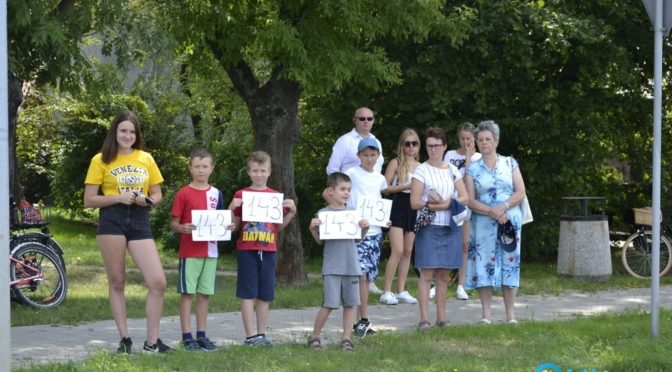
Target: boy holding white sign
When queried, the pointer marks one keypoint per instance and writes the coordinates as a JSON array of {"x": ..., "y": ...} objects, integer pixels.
[
  {"x": 256, "y": 245},
  {"x": 198, "y": 259},
  {"x": 367, "y": 183},
  {"x": 340, "y": 266}
]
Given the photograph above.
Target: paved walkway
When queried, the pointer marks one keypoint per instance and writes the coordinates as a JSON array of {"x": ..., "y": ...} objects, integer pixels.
[{"x": 44, "y": 344}]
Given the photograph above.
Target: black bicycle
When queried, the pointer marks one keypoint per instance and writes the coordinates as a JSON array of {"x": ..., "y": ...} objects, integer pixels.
[{"x": 638, "y": 248}]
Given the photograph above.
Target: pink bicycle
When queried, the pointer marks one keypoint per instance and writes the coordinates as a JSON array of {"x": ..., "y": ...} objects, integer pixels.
[{"x": 37, "y": 278}]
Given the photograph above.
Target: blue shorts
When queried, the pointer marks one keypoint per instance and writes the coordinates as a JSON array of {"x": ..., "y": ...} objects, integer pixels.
[
  {"x": 131, "y": 221},
  {"x": 368, "y": 251},
  {"x": 256, "y": 275}
]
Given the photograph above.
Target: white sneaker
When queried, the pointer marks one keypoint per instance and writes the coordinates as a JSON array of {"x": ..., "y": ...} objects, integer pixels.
[
  {"x": 373, "y": 289},
  {"x": 432, "y": 292},
  {"x": 406, "y": 298},
  {"x": 388, "y": 298},
  {"x": 461, "y": 293}
]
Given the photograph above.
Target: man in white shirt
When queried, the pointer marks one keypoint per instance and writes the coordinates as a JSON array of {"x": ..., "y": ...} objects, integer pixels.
[{"x": 344, "y": 152}]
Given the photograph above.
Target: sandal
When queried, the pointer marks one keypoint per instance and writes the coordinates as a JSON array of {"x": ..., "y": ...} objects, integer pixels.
[
  {"x": 347, "y": 345},
  {"x": 314, "y": 343},
  {"x": 441, "y": 323},
  {"x": 424, "y": 326}
]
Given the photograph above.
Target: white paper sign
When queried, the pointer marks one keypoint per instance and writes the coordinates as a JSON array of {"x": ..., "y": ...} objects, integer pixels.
[
  {"x": 211, "y": 225},
  {"x": 262, "y": 207},
  {"x": 339, "y": 225},
  {"x": 376, "y": 211}
]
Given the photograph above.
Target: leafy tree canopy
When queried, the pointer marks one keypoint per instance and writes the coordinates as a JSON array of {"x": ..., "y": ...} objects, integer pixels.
[{"x": 318, "y": 44}]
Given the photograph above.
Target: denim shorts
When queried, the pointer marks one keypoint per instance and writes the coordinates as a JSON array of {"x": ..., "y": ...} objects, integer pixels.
[{"x": 131, "y": 221}]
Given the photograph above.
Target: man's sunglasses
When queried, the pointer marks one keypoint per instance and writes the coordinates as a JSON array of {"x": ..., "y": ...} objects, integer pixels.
[{"x": 365, "y": 118}]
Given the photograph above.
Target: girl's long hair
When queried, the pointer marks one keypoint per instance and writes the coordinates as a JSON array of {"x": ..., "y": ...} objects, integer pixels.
[
  {"x": 402, "y": 170},
  {"x": 110, "y": 145}
]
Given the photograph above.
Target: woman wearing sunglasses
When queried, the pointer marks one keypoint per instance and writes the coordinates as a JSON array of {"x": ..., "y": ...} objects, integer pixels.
[
  {"x": 438, "y": 243},
  {"x": 399, "y": 174}
]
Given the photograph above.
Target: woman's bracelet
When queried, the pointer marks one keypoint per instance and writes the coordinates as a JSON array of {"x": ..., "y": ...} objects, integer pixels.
[{"x": 507, "y": 205}]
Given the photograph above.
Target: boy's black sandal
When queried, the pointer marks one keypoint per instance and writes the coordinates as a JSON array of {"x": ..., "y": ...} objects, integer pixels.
[
  {"x": 424, "y": 326},
  {"x": 314, "y": 343},
  {"x": 347, "y": 345}
]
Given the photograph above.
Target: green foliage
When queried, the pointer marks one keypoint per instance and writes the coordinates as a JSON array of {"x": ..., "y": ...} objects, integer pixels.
[
  {"x": 43, "y": 37},
  {"x": 563, "y": 79},
  {"x": 569, "y": 83}
]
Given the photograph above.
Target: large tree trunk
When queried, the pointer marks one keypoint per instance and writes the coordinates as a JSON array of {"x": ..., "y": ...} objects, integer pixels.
[
  {"x": 274, "y": 112},
  {"x": 15, "y": 86}
]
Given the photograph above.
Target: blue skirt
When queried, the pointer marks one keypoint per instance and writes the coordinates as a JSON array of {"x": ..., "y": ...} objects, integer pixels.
[{"x": 438, "y": 247}]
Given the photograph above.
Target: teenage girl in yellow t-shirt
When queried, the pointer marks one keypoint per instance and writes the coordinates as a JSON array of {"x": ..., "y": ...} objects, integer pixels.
[{"x": 131, "y": 182}]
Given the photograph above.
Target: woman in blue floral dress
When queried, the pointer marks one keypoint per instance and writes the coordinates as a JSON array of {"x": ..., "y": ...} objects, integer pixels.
[{"x": 496, "y": 188}]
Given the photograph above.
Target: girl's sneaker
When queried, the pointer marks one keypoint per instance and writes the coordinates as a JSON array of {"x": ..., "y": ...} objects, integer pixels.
[
  {"x": 388, "y": 298},
  {"x": 125, "y": 346},
  {"x": 461, "y": 294},
  {"x": 405, "y": 298},
  {"x": 158, "y": 348}
]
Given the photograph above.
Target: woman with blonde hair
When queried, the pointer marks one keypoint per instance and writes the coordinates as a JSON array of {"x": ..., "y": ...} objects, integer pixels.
[{"x": 399, "y": 173}]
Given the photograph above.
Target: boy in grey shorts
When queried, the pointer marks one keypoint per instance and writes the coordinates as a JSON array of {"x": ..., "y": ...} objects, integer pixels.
[{"x": 340, "y": 266}]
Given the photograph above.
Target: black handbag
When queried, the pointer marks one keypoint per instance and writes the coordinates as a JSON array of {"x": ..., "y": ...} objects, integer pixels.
[{"x": 424, "y": 218}]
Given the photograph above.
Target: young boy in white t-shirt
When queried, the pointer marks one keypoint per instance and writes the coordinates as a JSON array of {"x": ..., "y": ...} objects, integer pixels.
[{"x": 367, "y": 182}]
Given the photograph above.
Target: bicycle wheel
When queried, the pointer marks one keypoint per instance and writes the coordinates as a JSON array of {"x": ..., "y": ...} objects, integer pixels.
[
  {"x": 43, "y": 239},
  {"x": 42, "y": 281},
  {"x": 637, "y": 254}
]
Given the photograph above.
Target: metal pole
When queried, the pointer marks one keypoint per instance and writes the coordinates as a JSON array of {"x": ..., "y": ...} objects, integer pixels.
[
  {"x": 5, "y": 330},
  {"x": 658, "y": 31}
]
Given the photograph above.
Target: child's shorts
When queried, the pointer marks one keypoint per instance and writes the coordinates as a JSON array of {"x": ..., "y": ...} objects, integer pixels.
[
  {"x": 131, "y": 221},
  {"x": 197, "y": 275},
  {"x": 256, "y": 275},
  {"x": 340, "y": 289},
  {"x": 369, "y": 255}
]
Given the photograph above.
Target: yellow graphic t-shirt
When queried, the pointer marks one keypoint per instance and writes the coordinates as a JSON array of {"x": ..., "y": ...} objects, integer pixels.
[{"x": 128, "y": 172}]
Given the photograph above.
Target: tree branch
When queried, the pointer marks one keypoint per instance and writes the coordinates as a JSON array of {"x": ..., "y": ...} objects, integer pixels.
[
  {"x": 64, "y": 7},
  {"x": 243, "y": 79}
]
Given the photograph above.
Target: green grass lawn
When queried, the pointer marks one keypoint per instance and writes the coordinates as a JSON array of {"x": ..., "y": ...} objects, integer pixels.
[{"x": 604, "y": 342}]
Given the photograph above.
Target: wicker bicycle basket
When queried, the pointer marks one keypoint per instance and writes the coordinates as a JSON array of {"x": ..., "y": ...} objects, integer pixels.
[{"x": 643, "y": 216}]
